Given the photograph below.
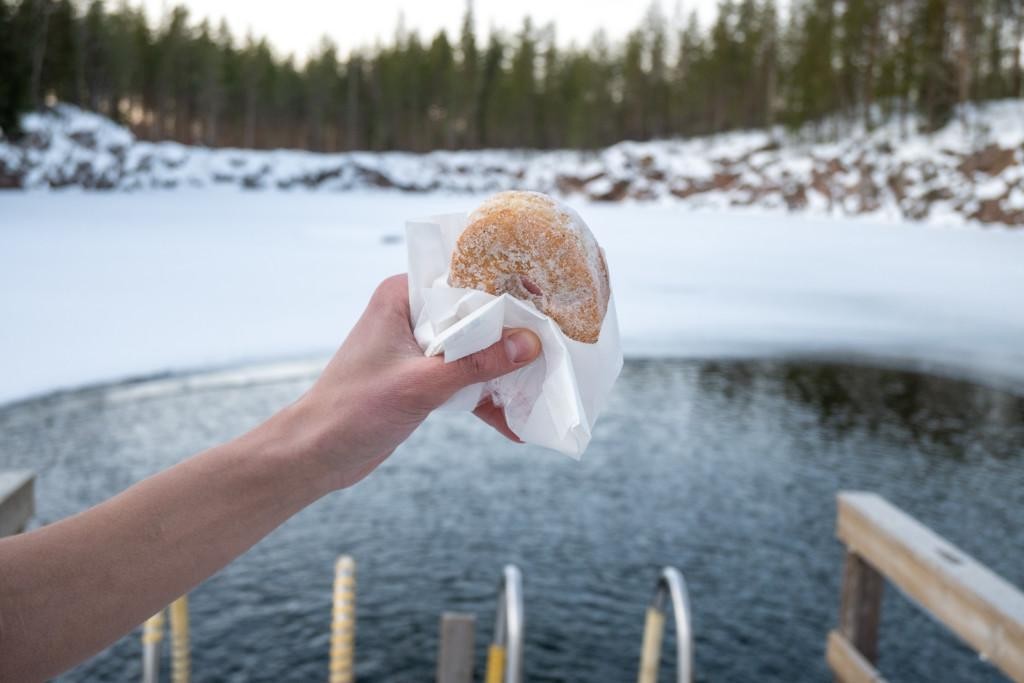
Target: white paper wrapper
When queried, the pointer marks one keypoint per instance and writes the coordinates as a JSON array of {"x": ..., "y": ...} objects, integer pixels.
[{"x": 552, "y": 402}]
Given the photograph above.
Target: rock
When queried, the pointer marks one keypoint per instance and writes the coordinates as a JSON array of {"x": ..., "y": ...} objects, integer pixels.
[
  {"x": 318, "y": 178},
  {"x": 570, "y": 184},
  {"x": 820, "y": 183},
  {"x": 643, "y": 193},
  {"x": 616, "y": 193},
  {"x": 724, "y": 180},
  {"x": 991, "y": 160},
  {"x": 897, "y": 185},
  {"x": 866, "y": 193},
  {"x": 993, "y": 211},
  {"x": 374, "y": 177},
  {"x": 834, "y": 166},
  {"x": 937, "y": 194},
  {"x": 85, "y": 138},
  {"x": 10, "y": 180},
  {"x": 795, "y": 196},
  {"x": 688, "y": 189},
  {"x": 914, "y": 209},
  {"x": 252, "y": 181},
  {"x": 11, "y": 177}
]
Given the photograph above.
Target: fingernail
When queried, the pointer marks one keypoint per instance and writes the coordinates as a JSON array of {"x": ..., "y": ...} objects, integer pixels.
[{"x": 521, "y": 346}]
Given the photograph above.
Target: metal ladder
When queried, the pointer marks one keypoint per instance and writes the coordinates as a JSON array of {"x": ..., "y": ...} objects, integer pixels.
[
  {"x": 505, "y": 655},
  {"x": 670, "y": 590}
]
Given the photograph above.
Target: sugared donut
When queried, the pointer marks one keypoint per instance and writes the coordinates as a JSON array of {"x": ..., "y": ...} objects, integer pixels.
[{"x": 535, "y": 248}]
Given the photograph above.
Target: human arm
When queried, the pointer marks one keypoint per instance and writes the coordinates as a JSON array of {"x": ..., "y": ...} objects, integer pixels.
[{"x": 73, "y": 587}]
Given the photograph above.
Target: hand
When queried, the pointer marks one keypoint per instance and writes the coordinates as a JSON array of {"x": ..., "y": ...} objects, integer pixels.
[{"x": 379, "y": 386}]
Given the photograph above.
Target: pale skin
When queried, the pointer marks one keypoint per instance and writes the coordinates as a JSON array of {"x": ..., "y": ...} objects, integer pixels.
[{"x": 72, "y": 588}]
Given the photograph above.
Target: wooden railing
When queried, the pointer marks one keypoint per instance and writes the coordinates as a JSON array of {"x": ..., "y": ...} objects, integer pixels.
[{"x": 884, "y": 543}]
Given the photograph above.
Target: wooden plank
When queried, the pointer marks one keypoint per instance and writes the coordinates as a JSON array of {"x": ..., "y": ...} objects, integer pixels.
[
  {"x": 847, "y": 664},
  {"x": 455, "y": 651},
  {"x": 17, "y": 500},
  {"x": 973, "y": 602},
  {"x": 860, "y": 606}
]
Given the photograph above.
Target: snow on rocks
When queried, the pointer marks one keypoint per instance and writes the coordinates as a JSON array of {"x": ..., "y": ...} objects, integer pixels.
[{"x": 971, "y": 170}]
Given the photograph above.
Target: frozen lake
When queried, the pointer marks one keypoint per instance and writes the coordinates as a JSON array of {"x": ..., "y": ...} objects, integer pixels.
[
  {"x": 726, "y": 469},
  {"x": 98, "y": 287}
]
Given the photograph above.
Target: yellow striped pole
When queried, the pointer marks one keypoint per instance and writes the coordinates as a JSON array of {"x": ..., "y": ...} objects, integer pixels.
[
  {"x": 180, "y": 659},
  {"x": 495, "y": 664},
  {"x": 650, "y": 651},
  {"x": 343, "y": 622},
  {"x": 152, "y": 634}
]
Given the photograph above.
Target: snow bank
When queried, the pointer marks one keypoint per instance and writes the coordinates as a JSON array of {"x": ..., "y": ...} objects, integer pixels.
[
  {"x": 99, "y": 287},
  {"x": 970, "y": 171}
]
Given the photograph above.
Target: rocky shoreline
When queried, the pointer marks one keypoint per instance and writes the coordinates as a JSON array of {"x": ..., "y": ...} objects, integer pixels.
[{"x": 958, "y": 175}]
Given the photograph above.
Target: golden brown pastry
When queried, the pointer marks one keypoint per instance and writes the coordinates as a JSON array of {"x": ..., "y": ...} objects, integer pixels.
[{"x": 535, "y": 248}]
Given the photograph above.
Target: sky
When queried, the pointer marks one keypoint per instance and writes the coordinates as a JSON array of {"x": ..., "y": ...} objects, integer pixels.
[{"x": 296, "y": 26}]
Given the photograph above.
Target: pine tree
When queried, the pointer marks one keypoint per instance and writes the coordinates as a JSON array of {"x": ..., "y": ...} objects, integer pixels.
[
  {"x": 936, "y": 82},
  {"x": 441, "y": 93},
  {"x": 688, "y": 84},
  {"x": 834, "y": 60},
  {"x": 14, "y": 86},
  {"x": 524, "y": 87},
  {"x": 210, "y": 87},
  {"x": 768, "y": 58},
  {"x": 468, "y": 82},
  {"x": 62, "y": 53}
]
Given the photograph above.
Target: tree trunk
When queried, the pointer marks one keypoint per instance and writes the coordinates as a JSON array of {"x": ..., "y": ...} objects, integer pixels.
[
  {"x": 249, "y": 130},
  {"x": 868, "y": 81},
  {"x": 962, "y": 13},
  {"x": 352, "y": 104},
  {"x": 1018, "y": 76},
  {"x": 41, "y": 16}
]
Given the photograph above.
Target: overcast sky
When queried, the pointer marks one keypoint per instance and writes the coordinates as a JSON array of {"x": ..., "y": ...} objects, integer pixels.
[{"x": 295, "y": 26}]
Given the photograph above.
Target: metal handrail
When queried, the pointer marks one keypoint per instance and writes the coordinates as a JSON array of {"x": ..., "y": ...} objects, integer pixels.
[
  {"x": 505, "y": 655},
  {"x": 152, "y": 639},
  {"x": 671, "y": 588}
]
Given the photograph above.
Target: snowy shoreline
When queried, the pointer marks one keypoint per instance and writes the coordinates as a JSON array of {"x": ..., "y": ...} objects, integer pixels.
[
  {"x": 955, "y": 176},
  {"x": 105, "y": 286}
]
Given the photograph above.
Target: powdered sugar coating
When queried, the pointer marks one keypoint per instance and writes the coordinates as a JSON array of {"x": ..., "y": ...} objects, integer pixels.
[{"x": 535, "y": 248}]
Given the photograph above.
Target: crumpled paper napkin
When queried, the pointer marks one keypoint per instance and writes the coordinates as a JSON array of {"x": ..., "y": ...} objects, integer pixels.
[{"x": 554, "y": 401}]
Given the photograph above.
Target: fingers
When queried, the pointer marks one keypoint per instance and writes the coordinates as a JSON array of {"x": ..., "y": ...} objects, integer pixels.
[
  {"x": 495, "y": 416},
  {"x": 515, "y": 349}
]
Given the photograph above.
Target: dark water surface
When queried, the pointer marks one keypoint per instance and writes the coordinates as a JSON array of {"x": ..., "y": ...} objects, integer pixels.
[{"x": 726, "y": 470}]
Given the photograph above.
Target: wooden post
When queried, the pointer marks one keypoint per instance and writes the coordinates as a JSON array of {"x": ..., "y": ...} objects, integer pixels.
[
  {"x": 455, "y": 649},
  {"x": 17, "y": 502},
  {"x": 860, "y": 606}
]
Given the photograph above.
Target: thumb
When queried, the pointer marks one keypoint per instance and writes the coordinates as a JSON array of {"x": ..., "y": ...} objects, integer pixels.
[{"x": 516, "y": 348}]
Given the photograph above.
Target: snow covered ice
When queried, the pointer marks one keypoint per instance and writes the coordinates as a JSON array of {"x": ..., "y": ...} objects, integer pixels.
[{"x": 105, "y": 286}]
